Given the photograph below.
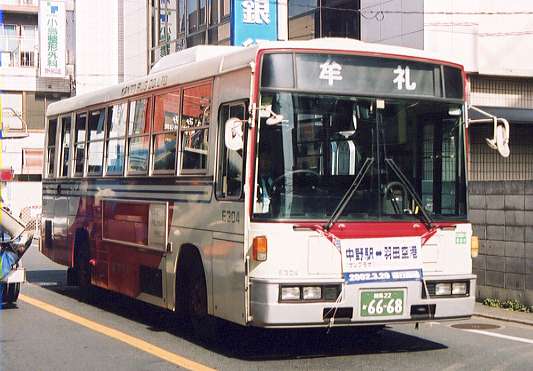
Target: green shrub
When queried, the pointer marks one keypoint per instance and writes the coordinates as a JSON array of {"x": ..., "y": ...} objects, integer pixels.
[{"x": 510, "y": 304}]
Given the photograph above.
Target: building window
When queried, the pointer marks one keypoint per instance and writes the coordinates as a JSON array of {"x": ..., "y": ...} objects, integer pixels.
[
  {"x": 95, "y": 142},
  {"x": 116, "y": 137},
  {"x": 310, "y": 19},
  {"x": 165, "y": 26},
  {"x": 166, "y": 123},
  {"x": 180, "y": 24},
  {"x": 139, "y": 136},
  {"x": 194, "y": 128},
  {"x": 18, "y": 46},
  {"x": 80, "y": 129}
]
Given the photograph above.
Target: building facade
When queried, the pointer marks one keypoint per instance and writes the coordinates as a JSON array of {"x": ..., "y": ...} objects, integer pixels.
[{"x": 31, "y": 77}]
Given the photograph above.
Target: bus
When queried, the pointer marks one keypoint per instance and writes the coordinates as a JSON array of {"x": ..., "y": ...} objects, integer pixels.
[{"x": 285, "y": 184}]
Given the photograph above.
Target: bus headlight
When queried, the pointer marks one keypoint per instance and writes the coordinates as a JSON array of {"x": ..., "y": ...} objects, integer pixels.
[
  {"x": 459, "y": 288},
  {"x": 312, "y": 293},
  {"x": 290, "y": 293},
  {"x": 443, "y": 289}
]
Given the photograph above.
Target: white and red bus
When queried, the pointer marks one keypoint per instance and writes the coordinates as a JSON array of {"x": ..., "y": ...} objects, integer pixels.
[{"x": 289, "y": 184}]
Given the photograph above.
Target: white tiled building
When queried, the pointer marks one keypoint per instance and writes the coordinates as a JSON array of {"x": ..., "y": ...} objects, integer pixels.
[{"x": 25, "y": 94}]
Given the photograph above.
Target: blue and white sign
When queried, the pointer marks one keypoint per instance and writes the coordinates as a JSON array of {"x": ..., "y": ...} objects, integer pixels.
[
  {"x": 253, "y": 21},
  {"x": 381, "y": 259}
]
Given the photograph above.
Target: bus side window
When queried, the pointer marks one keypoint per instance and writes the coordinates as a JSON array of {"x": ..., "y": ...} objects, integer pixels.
[
  {"x": 51, "y": 148},
  {"x": 95, "y": 141},
  {"x": 230, "y": 164},
  {"x": 194, "y": 128},
  {"x": 115, "y": 138},
  {"x": 79, "y": 143},
  {"x": 164, "y": 131},
  {"x": 139, "y": 136},
  {"x": 65, "y": 145}
]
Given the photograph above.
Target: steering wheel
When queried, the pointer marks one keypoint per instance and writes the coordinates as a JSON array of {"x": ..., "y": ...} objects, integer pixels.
[
  {"x": 275, "y": 182},
  {"x": 391, "y": 195}
]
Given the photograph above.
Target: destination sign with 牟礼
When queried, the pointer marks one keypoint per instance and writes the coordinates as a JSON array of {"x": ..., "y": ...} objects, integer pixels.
[{"x": 360, "y": 75}]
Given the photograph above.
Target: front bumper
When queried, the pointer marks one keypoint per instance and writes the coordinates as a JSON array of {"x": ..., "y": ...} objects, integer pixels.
[{"x": 267, "y": 311}]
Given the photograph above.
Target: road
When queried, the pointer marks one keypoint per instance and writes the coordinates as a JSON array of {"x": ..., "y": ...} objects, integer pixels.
[{"x": 50, "y": 329}]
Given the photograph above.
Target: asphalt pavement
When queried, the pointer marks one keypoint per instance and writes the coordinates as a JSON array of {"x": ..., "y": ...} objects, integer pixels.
[{"x": 51, "y": 329}]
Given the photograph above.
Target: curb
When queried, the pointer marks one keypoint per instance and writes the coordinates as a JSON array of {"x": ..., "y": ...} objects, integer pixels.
[{"x": 502, "y": 318}]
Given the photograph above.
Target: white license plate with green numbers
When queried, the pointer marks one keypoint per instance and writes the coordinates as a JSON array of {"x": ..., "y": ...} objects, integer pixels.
[{"x": 382, "y": 303}]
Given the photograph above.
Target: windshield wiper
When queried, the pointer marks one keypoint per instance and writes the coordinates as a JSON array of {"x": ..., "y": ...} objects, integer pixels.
[
  {"x": 409, "y": 187},
  {"x": 349, "y": 193}
]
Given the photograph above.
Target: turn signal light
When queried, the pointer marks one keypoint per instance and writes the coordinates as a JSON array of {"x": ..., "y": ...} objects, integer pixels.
[
  {"x": 260, "y": 248},
  {"x": 474, "y": 246}
]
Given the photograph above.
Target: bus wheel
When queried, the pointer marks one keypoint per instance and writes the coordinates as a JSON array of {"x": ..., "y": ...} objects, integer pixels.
[
  {"x": 83, "y": 270},
  {"x": 9, "y": 292},
  {"x": 203, "y": 325}
]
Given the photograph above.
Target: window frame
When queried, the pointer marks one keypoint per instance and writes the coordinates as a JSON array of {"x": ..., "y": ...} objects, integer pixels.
[
  {"x": 181, "y": 170},
  {"x": 154, "y": 133},
  {"x": 221, "y": 148}
]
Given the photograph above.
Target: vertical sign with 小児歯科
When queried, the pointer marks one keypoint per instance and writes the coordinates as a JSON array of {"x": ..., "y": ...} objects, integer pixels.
[
  {"x": 52, "y": 24},
  {"x": 253, "y": 21}
]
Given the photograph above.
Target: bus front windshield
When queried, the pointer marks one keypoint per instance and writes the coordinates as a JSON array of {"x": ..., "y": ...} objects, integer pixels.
[{"x": 311, "y": 148}]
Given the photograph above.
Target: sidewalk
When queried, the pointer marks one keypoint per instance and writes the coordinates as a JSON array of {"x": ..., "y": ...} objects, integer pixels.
[{"x": 485, "y": 311}]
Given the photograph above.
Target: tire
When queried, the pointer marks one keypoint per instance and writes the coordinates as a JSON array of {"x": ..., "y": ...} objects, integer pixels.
[
  {"x": 203, "y": 326},
  {"x": 9, "y": 292},
  {"x": 83, "y": 271}
]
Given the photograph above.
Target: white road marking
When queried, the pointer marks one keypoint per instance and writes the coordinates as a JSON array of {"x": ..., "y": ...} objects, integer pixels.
[{"x": 495, "y": 334}]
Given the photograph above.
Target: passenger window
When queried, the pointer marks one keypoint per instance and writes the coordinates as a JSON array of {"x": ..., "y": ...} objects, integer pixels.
[
  {"x": 65, "y": 145},
  {"x": 139, "y": 136},
  {"x": 116, "y": 138},
  {"x": 230, "y": 164},
  {"x": 51, "y": 148},
  {"x": 95, "y": 142},
  {"x": 166, "y": 123},
  {"x": 194, "y": 129},
  {"x": 79, "y": 143}
]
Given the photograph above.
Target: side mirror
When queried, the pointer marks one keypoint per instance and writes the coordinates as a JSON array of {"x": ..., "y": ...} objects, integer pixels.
[
  {"x": 234, "y": 134},
  {"x": 500, "y": 140}
]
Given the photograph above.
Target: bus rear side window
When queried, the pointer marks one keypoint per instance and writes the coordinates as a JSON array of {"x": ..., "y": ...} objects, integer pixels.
[
  {"x": 79, "y": 143},
  {"x": 51, "y": 148},
  {"x": 65, "y": 145}
]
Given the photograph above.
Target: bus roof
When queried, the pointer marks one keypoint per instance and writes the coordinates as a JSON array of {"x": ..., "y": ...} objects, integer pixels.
[{"x": 204, "y": 61}]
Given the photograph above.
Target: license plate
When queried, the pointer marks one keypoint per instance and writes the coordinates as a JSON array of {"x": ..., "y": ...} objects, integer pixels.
[{"x": 382, "y": 303}]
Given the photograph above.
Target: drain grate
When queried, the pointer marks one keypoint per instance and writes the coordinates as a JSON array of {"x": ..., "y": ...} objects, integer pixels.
[{"x": 475, "y": 326}]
